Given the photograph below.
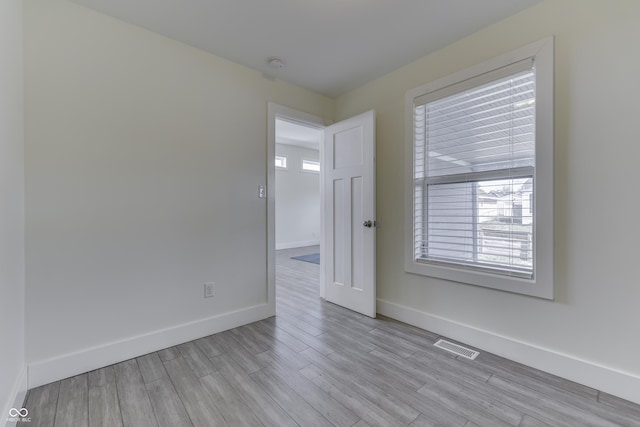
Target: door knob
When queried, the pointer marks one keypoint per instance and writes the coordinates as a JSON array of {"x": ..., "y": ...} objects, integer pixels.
[{"x": 368, "y": 223}]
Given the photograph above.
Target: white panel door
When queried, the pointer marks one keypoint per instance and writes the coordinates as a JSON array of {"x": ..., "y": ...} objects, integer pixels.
[{"x": 349, "y": 244}]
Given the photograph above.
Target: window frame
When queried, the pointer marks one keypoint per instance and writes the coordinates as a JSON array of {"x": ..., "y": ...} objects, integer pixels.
[
  {"x": 541, "y": 284},
  {"x": 286, "y": 161},
  {"x": 302, "y": 163}
]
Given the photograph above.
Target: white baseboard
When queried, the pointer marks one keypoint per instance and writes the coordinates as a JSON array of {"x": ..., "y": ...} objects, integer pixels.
[
  {"x": 68, "y": 365},
  {"x": 18, "y": 393},
  {"x": 291, "y": 245},
  {"x": 609, "y": 380}
]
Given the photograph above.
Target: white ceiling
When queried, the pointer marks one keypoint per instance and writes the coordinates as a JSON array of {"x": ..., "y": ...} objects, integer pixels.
[
  {"x": 329, "y": 46},
  {"x": 294, "y": 134}
]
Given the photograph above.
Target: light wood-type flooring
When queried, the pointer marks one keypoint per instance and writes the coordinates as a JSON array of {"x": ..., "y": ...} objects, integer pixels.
[{"x": 317, "y": 364}]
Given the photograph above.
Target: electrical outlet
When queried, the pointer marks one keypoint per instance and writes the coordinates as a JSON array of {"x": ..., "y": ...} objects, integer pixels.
[{"x": 208, "y": 289}]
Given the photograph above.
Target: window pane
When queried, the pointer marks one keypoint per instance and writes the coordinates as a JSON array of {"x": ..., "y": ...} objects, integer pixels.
[
  {"x": 281, "y": 162},
  {"x": 311, "y": 165},
  {"x": 484, "y": 223},
  {"x": 450, "y": 222},
  {"x": 505, "y": 223}
]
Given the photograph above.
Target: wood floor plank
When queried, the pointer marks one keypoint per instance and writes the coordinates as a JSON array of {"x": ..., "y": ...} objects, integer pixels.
[
  {"x": 283, "y": 356},
  {"x": 241, "y": 356},
  {"x": 457, "y": 399},
  {"x": 267, "y": 410},
  {"x": 252, "y": 342},
  {"x": 330, "y": 408},
  {"x": 469, "y": 396},
  {"x": 166, "y": 403},
  {"x": 392, "y": 342},
  {"x": 234, "y": 410},
  {"x": 550, "y": 410},
  {"x": 101, "y": 377},
  {"x": 372, "y": 342},
  {"x": 208, "y": 347},
  {"x": 619, "y": 416},
  {"x": 340, "y": 319},
  {"x": 342, "y": 392},
  {"x": 424, "y": 421},
  {"x": 151, "y": 367},
  {"x": 399, "y": 366},
  {"x": 297, "y": 408},
  {"x": 169, "y": 354},
  {"x": 267, "y": 328},
  {"x": 619, "y": 405},
  {"x": 347, "y": 342},
  {"x": 293, "y": 307},
  {"x": 306, "y": 327},
  {"x": 528, "y": 421},
  {"x": 476, "y": 400},
  {"x": 73, "y": 402},
  {"x": 41, "y": 404},
  {"x": 449, "y": 365},
  {"x": 104, "y": 408},
  {"x": 367, "y": 386},
  {"x": 197, "y": 360},
  {"x": 132, "y": 396},
  {"x": 391, "y": 383},
  {"x": 528, "y": 376},
  {"x": 310, "y": 340},
  {"x": 376, "y": 369},
  {"x": 408, "y": 332},
  {"x": 201, "y": 409}
]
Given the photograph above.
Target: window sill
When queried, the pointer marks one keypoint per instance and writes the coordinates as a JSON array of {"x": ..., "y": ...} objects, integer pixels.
[{"x": 536, "y": 287}]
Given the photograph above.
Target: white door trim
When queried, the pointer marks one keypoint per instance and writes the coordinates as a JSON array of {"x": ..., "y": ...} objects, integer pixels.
[{"x": 279, "y": 111}]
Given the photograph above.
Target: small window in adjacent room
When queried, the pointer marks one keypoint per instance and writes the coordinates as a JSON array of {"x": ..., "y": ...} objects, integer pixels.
[
  {"x": 310, "y": 165},
  {"x": 481, "y": 174},
  {"x": 281, "y": 162}
]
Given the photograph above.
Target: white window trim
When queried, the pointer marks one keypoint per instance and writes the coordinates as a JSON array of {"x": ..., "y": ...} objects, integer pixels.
[
  {"x": 541, "y": 285},
  {"x": 302, "y": 169}
]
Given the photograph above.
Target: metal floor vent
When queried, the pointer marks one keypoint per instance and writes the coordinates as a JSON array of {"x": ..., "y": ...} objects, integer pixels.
[{"x": 457, "y": 349}]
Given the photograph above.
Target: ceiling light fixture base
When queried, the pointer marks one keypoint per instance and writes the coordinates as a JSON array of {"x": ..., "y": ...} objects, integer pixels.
[{"x": 275, "y": 62}]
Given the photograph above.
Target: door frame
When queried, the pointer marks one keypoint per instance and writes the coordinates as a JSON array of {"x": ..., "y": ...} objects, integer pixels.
[{"x": 276, "y": 111}]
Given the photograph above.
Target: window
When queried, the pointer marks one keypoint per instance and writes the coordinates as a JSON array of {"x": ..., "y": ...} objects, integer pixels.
[
  {"x": 310, "y": 165},
  {"x": 281, "y": 162},
  {"x": 480, "y": 186}
]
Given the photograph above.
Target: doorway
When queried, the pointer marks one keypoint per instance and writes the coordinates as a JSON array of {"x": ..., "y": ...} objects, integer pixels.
[
  {"x": 297, "y": 164},
  {"x": 297, "y": 211},
  {"x": 347, "y": 206},
  {"x": 294, "y": 181}
]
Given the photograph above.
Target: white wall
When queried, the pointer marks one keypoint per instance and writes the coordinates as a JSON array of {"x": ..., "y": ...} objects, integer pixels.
[
  {"x": 12, "y": 282},
  {"x": 297, "y": 199},
  {"x": 595, "y": 314},
  {"x": 143, "y": 160}
]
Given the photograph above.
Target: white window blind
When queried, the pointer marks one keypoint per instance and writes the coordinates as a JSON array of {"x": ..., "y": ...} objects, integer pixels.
[{"x": 474, "y": 164}]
